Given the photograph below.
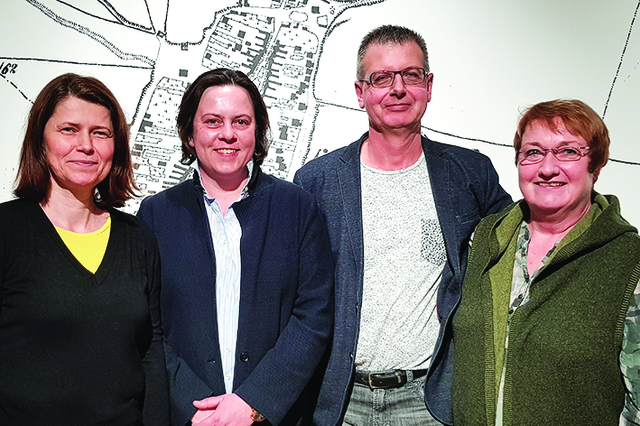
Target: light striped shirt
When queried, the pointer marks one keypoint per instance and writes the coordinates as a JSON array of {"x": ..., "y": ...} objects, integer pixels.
[{"x": 226, "y": 234}]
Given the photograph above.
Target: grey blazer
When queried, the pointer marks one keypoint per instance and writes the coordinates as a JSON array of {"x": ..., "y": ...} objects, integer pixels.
[{"x": 465, "y": 188}]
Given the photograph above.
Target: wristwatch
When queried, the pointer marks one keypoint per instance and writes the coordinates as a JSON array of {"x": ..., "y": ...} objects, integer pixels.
[{"x": 255, "y": 416}]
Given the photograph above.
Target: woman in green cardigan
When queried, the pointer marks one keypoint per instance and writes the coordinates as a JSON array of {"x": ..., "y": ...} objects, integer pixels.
[{"x": 546, "y": 333}]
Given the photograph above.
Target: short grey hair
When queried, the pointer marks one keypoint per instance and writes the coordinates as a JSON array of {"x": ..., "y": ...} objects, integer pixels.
[{"x": 390, "y": 34}]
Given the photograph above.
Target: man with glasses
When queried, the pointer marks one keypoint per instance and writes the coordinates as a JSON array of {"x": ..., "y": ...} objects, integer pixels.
[{"x": 400, "y": 210}]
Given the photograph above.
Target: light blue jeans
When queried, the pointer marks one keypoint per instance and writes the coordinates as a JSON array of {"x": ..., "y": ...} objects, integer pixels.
[{"x": 402, "y": 406}]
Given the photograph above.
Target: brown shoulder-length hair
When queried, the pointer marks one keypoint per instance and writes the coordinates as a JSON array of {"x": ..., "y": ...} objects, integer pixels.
[
  {"x": 33, "y": 181},
  {"x": 578, "y": 118},
  {"x": 191, "y": 100}
]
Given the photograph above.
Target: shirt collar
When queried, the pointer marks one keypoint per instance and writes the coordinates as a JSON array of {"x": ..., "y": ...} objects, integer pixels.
[{"x": 245, "y": 191}]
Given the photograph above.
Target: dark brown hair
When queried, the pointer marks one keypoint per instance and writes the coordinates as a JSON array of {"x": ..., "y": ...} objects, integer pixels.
[
  {"x": 191, "y": 100},
  {"x": 578, "y": 118},
  {"x": 34, "y": 175},
  {"x": 390, "y": 34}
]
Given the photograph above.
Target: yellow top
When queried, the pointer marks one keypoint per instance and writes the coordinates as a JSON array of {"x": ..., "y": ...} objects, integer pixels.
[{"x": 88, "y": 248}]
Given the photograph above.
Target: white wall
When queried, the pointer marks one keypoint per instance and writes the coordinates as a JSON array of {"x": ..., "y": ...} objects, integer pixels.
[{"x": 489, "y": 58}]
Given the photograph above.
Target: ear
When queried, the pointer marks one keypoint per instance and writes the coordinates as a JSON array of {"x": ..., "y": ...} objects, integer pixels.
[
  {"x": 429, "y": 86},
  {"x": 193, "y": 145},
  {"x": 359, "y": 93},
  {"x": 596, "y": 175}
]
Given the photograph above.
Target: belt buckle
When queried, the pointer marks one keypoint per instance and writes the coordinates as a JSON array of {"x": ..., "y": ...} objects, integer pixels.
[{"x": 397, "y": 374}]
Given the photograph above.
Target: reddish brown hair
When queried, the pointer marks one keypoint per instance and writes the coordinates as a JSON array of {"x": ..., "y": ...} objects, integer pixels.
[
  {"x": 578, "y": 118},
  {"x": 34, "y": 175}
]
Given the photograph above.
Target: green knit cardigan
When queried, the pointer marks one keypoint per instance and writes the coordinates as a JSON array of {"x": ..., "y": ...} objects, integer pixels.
[{"x": 562, "y": 363}]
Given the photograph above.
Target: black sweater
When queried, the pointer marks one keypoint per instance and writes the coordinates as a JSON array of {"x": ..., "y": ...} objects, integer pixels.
[{"x": 78, "y": 348}]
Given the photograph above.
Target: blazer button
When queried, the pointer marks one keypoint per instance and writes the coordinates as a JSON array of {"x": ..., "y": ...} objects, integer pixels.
[{"x": 244, "y": 356}]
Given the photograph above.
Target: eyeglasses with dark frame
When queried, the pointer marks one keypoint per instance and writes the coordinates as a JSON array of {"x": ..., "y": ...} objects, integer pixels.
[
  {"x": 563, "y": 153},
  {"x": 410, "y": 77}
]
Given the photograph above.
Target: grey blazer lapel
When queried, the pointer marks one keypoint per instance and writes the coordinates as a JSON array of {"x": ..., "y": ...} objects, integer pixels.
[{"x": 348, "y": 172}]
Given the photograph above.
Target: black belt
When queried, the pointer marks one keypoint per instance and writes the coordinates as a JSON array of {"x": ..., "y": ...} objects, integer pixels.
[{"x": 387, "y": 379}]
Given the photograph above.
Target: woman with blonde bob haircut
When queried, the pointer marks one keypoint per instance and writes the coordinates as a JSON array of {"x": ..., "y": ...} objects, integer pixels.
[{"x": 547, "y": 331}]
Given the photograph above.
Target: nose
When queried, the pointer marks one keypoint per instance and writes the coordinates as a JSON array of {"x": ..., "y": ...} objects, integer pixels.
[
  {"x": 227, "y": 133},
  {"x": 549, "y": 166},
  {"x": 85, "y": 143},
  {"x": 397, "y": 87}
]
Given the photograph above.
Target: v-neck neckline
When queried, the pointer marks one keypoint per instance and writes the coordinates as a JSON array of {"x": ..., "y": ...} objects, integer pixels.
[{"x": 105, "y": 264}]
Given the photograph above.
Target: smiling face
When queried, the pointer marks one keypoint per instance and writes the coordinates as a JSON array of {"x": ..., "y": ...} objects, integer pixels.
[
  {"x": 224, "y": 133},
  {"x": 398, "y": 106},
  {"x": 79, "y": 145},
  {"x": 553, "y": 187}
]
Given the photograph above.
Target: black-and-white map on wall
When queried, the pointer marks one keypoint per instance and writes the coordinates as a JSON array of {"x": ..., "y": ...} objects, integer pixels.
[{"x": 490, "y": 59}]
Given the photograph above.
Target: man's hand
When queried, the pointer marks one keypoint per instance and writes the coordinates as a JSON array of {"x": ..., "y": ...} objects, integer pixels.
[{"x": 223, "y": 410}]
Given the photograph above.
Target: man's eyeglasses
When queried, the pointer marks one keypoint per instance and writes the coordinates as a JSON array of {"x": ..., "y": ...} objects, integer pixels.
[
  {"x": 410, "y": 77},
  {"x": 565, "y": 153}
]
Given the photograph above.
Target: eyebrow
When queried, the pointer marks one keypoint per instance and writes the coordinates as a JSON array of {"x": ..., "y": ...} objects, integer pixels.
[
  {"x": 214, "y": 114},
  {"x": 562, "y": 143},
  {"x": 74, "y": 124}
]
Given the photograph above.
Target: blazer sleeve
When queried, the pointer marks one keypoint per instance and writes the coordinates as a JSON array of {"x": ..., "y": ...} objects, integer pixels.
[
  {"x": 275, "y": 384},
  {"x": 496, "y": 198},
  {"x": 184, "y": 385}
]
